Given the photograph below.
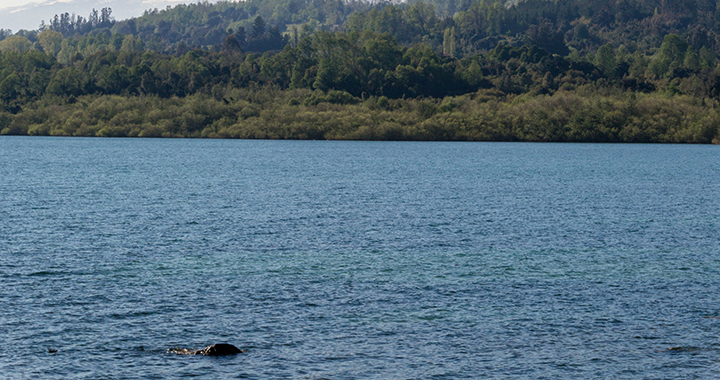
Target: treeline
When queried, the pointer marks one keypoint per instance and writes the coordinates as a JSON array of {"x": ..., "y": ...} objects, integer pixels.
[
  {"x": 70, "y": 25},
  {"x": 361, "y": 64},
  {"x": 257, "y": 26},
  {"x": 453, "y": 28},
  {"x": 457, "y": 28}
]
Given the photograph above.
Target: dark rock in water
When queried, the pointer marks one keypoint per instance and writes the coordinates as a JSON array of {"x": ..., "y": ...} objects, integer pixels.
[{"x": 220, "y": 349}]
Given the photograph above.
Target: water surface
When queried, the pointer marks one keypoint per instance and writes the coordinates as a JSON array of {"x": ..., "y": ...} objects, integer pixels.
[{"x": 358, "y": 260}]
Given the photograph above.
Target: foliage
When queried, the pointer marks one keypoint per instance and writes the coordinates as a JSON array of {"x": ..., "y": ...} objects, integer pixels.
[
  {"x": 531, "y": 70},
  {"x": 70, "y": 25},
  {"x": 481, "y": 116},
  {"x": 15, "y": 43}
]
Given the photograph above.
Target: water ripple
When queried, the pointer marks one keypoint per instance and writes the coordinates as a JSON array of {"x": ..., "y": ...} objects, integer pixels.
[{"x": 358, "y": 260}]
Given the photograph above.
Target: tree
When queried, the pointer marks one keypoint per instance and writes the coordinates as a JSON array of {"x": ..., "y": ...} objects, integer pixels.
[
  {"x": 605, "y": 60},
  {"x": 674, "y": 48},
  {"x": 114, "y": 79},
  {"x": 258, "y": 27},
  {"x": 422, "y": 17},
  {"x": 692, "y": 60},
  {"x": 9, "y": 89},
  {"x": 337, "y": 57},
  {"x": 65, "y": 82},
  {"x": 240, "y": 37},
  {"x": 51, "y": 41},
  {"x": 707, "y": 57},
  {"x": 106, "y": 19},
  {"x": 131, "y": 43},
  {"x": 449, "y": 42},
  {"x": 231, "y": 44},
  {"x": 546, "y": 37},
  {"x": 67, "y": 51},
  {"x": 384, "y": 51},
  {"x": 15, "y": 43},
  {"x": 670, "y": 56}
]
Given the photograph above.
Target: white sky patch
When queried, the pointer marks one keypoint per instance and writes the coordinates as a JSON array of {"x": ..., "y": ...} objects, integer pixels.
[{"x": 4, "y": 4}]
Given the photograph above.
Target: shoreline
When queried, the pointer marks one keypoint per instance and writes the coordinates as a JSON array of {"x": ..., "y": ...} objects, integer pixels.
[{"x": 486, "y": 115}]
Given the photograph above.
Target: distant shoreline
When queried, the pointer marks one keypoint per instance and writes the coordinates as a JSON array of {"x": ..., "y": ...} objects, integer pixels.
[{"x": 486, "y": 115}]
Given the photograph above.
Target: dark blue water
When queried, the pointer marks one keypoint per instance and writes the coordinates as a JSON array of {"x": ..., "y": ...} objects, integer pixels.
[{"x": 355, "y": 260}]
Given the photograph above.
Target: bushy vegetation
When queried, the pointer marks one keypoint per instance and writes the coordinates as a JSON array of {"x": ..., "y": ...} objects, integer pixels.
[
  {"x": 533, "y": 70},
  {"x": 270, "y": 113}
]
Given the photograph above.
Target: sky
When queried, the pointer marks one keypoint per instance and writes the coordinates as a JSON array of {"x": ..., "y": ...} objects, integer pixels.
[
  {"x": 14, "y": 3},
  {"x": 27, "y": 14}
]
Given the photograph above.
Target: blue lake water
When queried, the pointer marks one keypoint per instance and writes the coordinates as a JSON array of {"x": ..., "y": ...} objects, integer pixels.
[{"x": 358, "y": 260}]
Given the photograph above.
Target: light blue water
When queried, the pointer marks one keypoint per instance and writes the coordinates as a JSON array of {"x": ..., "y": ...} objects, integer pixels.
[{"x": 355, "y": 260}]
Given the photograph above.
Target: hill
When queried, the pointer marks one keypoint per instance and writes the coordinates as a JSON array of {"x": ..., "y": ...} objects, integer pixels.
[{"x": 535, "y": 70}]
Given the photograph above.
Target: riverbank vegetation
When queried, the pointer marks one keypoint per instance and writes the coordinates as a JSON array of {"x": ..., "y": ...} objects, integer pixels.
[
  {"x": 525, "y": 71},
  {"x": 270, "y": 113}
]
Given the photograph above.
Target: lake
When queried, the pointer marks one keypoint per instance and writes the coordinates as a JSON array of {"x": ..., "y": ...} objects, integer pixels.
[{"x": 358, "y": 260}]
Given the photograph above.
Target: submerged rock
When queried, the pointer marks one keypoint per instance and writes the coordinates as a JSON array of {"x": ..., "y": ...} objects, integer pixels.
[
  {"x": 684, "y": 349},
  {"x": 219, "y": 349}
]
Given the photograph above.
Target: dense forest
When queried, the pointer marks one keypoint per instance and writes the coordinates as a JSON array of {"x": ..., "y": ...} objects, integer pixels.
[{"x": 532, "y": 70}]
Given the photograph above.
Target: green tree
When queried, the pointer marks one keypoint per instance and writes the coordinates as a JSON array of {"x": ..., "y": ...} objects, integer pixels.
[
  {"x": 115, "y": 79},
  {"x": 131, "y": 43},
  {"x": 707, "y": 58},
  {"x": 15, "y": 43},
  {"x": 674, "y": 48},
  {"x": 66, "y": 82},
  {"x": 692, "y": 60},
  {"x": 67, "y": 51},
  {"x": 449, "y": 42},
  {"x": 338, "y": 62},
  {"x": 670, "y": 56},
  {"x": 605, "y": 60},
  {"x": 9, "y": 91},
  {"x": 547, "y": 37},
  {"x": 383, "y": 51},
  {"x": 258, "y": 28},
  {"x": 231, "y": 44},
  {"x": 51, "y": 41},
  {"x": 421, "y": 17}
]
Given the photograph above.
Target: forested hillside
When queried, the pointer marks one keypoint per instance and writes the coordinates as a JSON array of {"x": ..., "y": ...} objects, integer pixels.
[{"x": 535, "y": 70}]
